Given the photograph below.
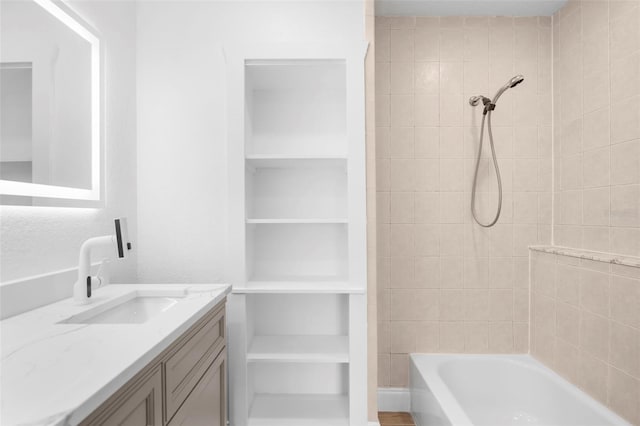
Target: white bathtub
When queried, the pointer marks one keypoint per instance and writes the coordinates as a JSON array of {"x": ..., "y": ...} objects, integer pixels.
[{"x": 497, "y": 390}]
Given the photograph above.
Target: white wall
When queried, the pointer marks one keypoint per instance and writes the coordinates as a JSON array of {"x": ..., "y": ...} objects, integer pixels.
[
  {"x": 182, "y": 155},
  {"x": 39, "y": 240}
]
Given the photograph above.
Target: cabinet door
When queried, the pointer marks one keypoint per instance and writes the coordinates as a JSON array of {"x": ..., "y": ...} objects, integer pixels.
[
  {"x": 143, "y": 407},
  {"x": 191, "y": 359},
  {"x": 207, "y": 403}
]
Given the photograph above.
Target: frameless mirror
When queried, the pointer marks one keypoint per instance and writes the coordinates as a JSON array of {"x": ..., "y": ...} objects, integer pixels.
[{"x": 49, "y": 104}]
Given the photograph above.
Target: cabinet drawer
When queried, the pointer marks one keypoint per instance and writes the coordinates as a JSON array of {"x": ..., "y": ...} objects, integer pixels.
[
  {"x": 206, "y": 405},
  {"x": 186, "y": 366}
]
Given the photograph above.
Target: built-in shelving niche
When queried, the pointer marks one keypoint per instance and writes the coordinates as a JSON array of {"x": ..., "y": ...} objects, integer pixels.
[
  {"x": 298, "y": 328},
  {"x": 296, "y": 172},
  {"x": 310, "y": 190},
  {"x": 296, "y": 107},
  {"x": 297, "y": 252},
  {"x": 290, "y": 394},
  {"x": 299, "y": 271},
  {"x": 298, "y": 354}
]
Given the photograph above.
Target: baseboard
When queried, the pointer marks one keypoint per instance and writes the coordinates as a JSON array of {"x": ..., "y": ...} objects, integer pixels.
[
  {"x": 394, "y": 399},
  {"x": 374, "y": 424}
]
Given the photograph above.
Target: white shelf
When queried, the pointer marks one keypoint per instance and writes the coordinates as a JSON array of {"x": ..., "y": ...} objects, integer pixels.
[
  {"x": 299, "y": 410},
  {"x": 283, "y": 161},
  {"x": 293, "y": 157},
  {"x": 297, "y": 189},
  {"x": 299, "y": 287},
  {"x": 285, "y": 252},
  {"x": 298, "y": 221},
  {"x": 309, "y": 348}
]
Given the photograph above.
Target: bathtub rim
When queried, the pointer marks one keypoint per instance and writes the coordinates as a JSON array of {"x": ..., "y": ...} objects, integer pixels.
[
  {"x": 440, "y": 391},
  {"x": 428, "y": 364}
]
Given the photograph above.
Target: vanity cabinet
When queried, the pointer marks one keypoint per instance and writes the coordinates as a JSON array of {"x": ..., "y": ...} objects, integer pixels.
[
  {"x": 185, "y": 385},
  {"x": 188, "y": 362},
  {"x": 141, "y": 404},
  {"x": 206, "y": 404}
]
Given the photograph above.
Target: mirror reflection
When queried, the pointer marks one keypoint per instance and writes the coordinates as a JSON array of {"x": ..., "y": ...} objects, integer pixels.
[{"x": 45, "y": 99}]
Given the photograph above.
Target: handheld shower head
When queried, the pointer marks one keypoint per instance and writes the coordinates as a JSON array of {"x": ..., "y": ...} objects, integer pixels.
[
  {"x": 490, "y": 104},
  {"x": 515, "y": 81}
]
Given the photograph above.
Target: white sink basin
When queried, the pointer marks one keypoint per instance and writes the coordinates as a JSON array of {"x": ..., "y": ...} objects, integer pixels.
[{"x": 130, "y": 310}]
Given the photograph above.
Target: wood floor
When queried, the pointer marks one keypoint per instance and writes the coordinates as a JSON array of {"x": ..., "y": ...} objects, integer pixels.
[{"x": 395, "y": 419}]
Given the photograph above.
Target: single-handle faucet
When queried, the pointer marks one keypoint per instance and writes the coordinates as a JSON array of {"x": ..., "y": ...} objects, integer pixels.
[{"x": 82, "y": 289}]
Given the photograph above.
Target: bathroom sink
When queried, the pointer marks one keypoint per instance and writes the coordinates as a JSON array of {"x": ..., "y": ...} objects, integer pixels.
[{"x": 136, "y": 310}]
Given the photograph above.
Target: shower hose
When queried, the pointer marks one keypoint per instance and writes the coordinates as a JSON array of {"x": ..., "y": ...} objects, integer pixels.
[{"x": 486, "y": 116}]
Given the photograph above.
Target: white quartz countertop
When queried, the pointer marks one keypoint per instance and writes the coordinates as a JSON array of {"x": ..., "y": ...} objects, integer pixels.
[{"x": 57, "y": 374}]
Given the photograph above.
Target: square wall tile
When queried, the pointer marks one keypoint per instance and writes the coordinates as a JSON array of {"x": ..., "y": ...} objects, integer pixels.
[
  {"x": 625, "y": 119},
  {"x": 401, "y": 142},
  {"x": 625, "y": 206},
  {"x": 625, "y": 163},
  {"x": 594, "y": 335},
  {"x": 401, "y": 110},
  {"x": 452, "y": 336},
  {"x": 625, "y": 349},
  {"x": 401, "y": 45},
  {"x": 427, "y": 44},
  {"x": 427, "y": 77},
  {"x": 596, "y": 168},
  {"x": 476, "y": 337},
  {"x": 426, "y": 142},
  {"x": 623, "y": 394},
  {"x": 501, "y": 337}
]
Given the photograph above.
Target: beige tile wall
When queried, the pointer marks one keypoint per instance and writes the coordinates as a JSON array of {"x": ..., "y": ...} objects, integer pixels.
[
  {"x": 586, "y": 316},
  {"x": 444, "y": 283},
  {"x": 586, "y": 326},
  {"x": 597, "y": 125},
  {"x": 447, "y": 285}
]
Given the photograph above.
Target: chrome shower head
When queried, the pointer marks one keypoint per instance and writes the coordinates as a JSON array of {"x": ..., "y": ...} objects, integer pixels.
[
  {"x": 489, "y": 105},
  {"x": 515, "y": 81}
]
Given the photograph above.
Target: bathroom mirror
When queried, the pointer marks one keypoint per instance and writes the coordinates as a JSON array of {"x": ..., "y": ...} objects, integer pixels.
[{"x": 50, "y": 126}]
